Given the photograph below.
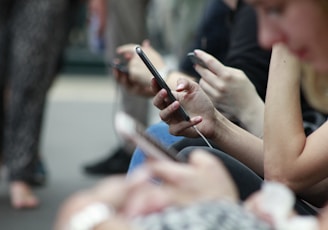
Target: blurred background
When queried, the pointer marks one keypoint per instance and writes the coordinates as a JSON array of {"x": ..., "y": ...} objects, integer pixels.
[{"x": 82, "y": 101}]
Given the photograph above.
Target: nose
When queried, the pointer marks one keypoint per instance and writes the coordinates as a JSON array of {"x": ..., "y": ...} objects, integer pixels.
[{"x": 270, "y": 34}]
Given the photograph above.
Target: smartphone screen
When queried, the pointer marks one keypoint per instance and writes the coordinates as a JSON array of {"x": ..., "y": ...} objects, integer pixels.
[{"x": 160, "y": 81}]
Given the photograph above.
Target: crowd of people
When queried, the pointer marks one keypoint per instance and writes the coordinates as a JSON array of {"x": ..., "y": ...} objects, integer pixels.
[
  {"x": 283, "y": 158},
  {"x": 260, "y": 100}
]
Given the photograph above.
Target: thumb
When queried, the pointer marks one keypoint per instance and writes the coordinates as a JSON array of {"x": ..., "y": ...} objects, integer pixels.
[
  {"x": 184, "y": 84},
  {"x": 212, "y": 63}
]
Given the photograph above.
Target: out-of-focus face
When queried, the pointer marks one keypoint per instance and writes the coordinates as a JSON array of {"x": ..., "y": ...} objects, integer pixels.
[{"x": 300, "y": 24}]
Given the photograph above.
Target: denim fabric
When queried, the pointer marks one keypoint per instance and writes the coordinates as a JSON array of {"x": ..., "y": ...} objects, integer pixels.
[{"x": 159, "y": 131}]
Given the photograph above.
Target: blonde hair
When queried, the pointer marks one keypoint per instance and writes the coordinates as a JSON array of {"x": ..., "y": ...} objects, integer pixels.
[{"x": 315, "y": 88}]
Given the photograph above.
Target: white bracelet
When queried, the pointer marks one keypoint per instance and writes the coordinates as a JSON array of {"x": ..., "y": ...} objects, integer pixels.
[{"x": 90, "y": 216}]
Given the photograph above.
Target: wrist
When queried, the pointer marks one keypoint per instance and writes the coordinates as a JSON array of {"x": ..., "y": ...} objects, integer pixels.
[
  {"x": 252, "y": 118},
  {"x": 219, "y": 125}
]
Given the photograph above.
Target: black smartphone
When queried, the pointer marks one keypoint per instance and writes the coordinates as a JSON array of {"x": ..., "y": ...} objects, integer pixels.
[
  {"x": 160, "y": 81},
  {"x": 131, "y": 130},
  {"x": 196, "y": 60}
]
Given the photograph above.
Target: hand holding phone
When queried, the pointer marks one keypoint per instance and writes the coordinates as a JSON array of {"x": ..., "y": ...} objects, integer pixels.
[
  {"x": 196, "y": 60},
  {"x": 160, "y": 81}
]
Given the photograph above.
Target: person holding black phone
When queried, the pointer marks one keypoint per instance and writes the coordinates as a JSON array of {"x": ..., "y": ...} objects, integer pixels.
[{"x": 120, "y": 22}]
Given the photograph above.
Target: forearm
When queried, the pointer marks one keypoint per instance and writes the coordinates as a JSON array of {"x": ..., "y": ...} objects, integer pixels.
[
  {"x": 284, "y": 137},
  {"x": 283, "y": 132},
  {"x": 252, "y": 119},
  {"x": 239, "y": 143}
]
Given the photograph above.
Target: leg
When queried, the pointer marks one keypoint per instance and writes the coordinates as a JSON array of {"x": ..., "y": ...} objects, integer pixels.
[
  {"x": 126, "y": 24},
  {"x": 35, "y": 48}
]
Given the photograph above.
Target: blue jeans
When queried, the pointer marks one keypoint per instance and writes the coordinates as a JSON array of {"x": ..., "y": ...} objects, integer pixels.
[{"x": 159, "y": 131}]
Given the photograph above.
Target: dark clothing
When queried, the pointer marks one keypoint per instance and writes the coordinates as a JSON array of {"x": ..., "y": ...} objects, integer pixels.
[
  {"x": 244, "y": 52},
  {"x": 32, "y": 36},
  {"x": 212, "y": 34}
]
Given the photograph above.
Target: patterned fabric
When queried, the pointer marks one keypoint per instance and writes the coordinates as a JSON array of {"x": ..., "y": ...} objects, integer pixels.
[
  {"x": 32, "y": 36},
  {"x": 220, "y": 215}
]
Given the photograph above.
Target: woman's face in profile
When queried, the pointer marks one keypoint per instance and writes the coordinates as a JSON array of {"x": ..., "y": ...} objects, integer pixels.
[{"x": 301, "y": 24}]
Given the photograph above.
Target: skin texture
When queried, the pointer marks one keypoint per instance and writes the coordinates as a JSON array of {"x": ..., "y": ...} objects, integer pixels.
[
  {"x": 291, "y": 157},
  {"x": 283, "y": 21},
  {"x": 138, "y": 196},
  {"x": 230, "y": 90},
  {"x": 232, "y": 93},
  {"x": 209, "y": 121}
]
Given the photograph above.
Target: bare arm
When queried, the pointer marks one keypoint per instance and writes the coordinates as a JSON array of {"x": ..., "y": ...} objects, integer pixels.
[
  {"x": 232, "y": 139},
  {"x": 290, "y": 156}
]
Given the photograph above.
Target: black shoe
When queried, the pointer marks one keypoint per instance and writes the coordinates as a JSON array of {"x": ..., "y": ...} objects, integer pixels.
[{"x": 116, "y": 163}]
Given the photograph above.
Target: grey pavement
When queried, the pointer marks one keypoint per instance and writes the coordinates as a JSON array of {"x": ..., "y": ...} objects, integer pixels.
[{"x": 77, "y": 130}]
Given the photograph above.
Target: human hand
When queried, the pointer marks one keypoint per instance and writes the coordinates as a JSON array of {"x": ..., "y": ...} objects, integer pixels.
[
  {"x": 204, "y": 178},
  {"x": 111, "y": 191},
  {"x": 113, "y": 197},
  {"x": 138, "y": 78},
  {"x": 231, "y": 92},
  {"x": 194, "y": 101}
]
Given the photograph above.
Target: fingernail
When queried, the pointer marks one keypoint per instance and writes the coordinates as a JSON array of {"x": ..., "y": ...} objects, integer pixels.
[
  {"x": 197, "y": 119},
  {"x": 175, "y": 105},
  {"x": 180, "y": 86}
]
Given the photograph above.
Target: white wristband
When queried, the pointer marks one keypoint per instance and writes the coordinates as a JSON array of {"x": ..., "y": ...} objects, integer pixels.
[{"x": 91, "y": 216}]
